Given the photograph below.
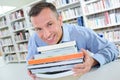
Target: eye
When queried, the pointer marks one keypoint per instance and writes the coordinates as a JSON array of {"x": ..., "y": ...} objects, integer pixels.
[
  {"x": 38, "y": 29},
  {"x": 49, "y": 24}
]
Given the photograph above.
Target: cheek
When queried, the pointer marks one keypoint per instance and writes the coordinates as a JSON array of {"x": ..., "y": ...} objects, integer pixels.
[
  {"x": 40, "y": 35},
  {"x": 59, "y": 32}
]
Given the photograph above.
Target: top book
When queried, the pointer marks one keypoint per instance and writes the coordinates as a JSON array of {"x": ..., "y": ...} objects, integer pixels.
[
  {"x": 56, "y": 46},
  {"x": 56, "y": 50}
]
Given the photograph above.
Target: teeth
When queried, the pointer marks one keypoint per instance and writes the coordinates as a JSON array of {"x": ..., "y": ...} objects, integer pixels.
[{"x": 49, "y": 39}]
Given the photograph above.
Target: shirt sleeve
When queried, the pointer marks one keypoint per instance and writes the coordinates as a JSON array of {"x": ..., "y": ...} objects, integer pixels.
[
  {"x": 104, "y": 51},
  {"x": 32, "y": 48}
]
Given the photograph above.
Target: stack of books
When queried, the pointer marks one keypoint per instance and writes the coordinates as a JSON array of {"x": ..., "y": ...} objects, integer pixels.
[{"x": 55, "y": 61}]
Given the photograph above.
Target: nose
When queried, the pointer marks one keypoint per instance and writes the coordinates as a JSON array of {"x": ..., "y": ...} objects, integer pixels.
[{"x": 46, "y": 33}]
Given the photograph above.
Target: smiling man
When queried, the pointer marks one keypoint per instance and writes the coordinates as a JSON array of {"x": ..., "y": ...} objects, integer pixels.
[
  {"x": 48, "y": 25},
  {"x": 50, "y": 30}
]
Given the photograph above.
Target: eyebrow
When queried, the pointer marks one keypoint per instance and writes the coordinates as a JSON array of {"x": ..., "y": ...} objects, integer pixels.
[{"x": 37, "y": 28}]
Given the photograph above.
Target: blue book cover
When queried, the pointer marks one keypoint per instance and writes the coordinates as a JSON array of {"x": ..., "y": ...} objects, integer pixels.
[{"x": 80, "y": 21}]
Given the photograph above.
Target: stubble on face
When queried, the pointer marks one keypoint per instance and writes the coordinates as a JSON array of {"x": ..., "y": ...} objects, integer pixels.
[{"x": 41, "y": 21}]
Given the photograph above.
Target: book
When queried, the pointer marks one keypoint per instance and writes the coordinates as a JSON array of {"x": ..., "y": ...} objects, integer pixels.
[
  {"x": 56, "y": 63},
  {"x": 56, "y": 46},
  {"x": 52, "y": 67},
  {"x": 54, "y": 59},
  {"x": 53, "y": 76},
  {"x": 56, "y": 50},
  {"x": 80, "y": 21}
]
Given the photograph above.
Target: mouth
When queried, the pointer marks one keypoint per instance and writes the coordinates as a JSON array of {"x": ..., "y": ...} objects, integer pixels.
[{"x": 51, "y": 39}]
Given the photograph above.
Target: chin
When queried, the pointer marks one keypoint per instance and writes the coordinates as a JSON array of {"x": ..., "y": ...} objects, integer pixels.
[{"x": 51, "y": 43}]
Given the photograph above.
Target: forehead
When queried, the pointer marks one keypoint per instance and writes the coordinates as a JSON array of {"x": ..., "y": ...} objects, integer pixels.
[{"x": 44, "y": 16}]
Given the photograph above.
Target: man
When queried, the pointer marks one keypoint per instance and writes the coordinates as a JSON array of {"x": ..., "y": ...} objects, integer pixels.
[{"x": 50, "y": 30}]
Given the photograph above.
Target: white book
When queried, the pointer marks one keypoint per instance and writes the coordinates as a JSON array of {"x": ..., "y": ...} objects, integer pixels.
[
  {"x": 56, "y": 46},
  {"x": 56, "y": 52},
  {"x": 53, "y": 76},
  {"x": 117, "y": 14},
  {"x": 112, "y": 17},
  {"x": 53, "y": 69}
]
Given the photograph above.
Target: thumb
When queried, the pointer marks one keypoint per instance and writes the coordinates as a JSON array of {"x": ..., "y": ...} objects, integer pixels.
[
  {"x": 84, "y": 51},
  {"x": 86, "y": 55}
]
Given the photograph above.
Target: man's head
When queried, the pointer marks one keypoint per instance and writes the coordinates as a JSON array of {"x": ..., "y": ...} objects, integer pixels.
[{"x": 47, "y": 22}]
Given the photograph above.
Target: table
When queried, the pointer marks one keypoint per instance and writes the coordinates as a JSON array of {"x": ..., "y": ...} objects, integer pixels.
[
  {"x": 110, "y": 71},
  {"x": 15, "y": 71}
]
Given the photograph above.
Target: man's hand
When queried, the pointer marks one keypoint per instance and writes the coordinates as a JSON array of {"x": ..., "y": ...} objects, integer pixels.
[
  {"x": 31, "y": 75},
  {"x": 89, "y": 62}
]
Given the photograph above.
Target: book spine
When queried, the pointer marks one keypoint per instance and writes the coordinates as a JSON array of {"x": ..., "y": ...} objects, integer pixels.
[
  {"x": 62, "y": 45},
  {"x": 79, "y": 60},
  {"x": 53, "y": 69},
  {"x": 54, "y": 59}
]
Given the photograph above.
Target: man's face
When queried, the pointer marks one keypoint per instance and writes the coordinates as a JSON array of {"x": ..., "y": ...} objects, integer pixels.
[{"x": 48, "y": 26}]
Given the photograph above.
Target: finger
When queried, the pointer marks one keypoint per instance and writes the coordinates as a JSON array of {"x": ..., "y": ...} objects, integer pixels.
[
  {"x": 75, "y": 74},
  {"x": 31, "y": 75},
  {"x": 86, "y": 55},
  {"x": 88, "y": 60},
  {"x": 84, "y": 51},
  {"x": 80, "y": 71},
  {"x": 78, "y": 66},
  {"x": 29, "y": 72}
]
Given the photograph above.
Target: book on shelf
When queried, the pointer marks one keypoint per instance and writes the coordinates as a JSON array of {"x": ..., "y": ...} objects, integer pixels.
[
  {"x": 117, "y": 14},
  {"x": 80, "y": 21},
  {"x": 55, "y": 61}
]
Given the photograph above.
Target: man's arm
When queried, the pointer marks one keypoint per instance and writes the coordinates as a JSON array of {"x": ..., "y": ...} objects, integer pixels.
[
  {"x": 32, "y": 47},
  {"x": 86, "y": 66},
  {"x": 103, "y": 50}
]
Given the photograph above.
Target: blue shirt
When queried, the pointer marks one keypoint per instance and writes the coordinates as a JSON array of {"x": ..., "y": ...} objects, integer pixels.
[{"x": 103, "y": 50}]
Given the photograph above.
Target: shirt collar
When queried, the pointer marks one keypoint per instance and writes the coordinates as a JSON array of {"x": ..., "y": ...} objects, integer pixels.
[{"x": 66, "y": 36}]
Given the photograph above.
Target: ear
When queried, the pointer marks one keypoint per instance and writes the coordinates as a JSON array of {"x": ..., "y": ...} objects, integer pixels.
[{"x": 60, "y": 20}]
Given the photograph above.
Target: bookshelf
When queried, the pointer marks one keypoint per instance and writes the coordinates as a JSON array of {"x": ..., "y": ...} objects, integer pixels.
[
  {"x": 26, "y": 9},
  {"x": 70, "y": 10},
  {"x": 1, "y": 48},
  {"x": 7, "y": 45},
  {"x": 13, "y": 37},
  {"x": 20, "y": 35},
  {"x": 103, "y": 16},
  {"x": 15, "y": 30}
]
